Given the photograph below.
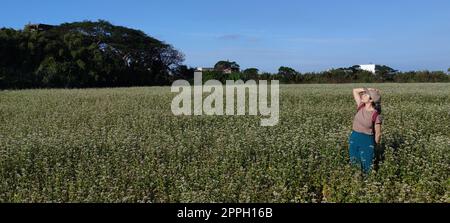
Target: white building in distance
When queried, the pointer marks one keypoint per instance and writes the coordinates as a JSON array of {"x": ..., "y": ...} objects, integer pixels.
[
  {"x": 368, "y": 67},
  {"x": 204, "y": 69}
]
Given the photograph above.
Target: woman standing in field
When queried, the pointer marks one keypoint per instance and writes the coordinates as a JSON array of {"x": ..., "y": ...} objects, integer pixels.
[{"x": 366, "y": 131}]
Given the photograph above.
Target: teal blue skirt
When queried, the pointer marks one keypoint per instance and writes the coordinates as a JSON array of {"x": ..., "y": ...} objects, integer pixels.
[{"x": 362, "y": 150}]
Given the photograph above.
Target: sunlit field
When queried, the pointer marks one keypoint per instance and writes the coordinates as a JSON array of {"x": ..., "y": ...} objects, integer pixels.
[{"x": 125, "y": 145}]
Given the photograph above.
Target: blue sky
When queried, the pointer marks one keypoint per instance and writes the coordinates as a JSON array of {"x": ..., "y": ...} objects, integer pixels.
[{"x": 309, "y": 35}]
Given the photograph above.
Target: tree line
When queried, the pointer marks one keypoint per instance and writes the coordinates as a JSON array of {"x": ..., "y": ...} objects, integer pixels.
[
  {"x": 99, "y": 54},
  {"x": 352, "y": 74}
]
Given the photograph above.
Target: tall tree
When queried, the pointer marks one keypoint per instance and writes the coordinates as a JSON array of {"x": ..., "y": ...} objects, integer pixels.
[
  {"x": 224, "y": 65},
  {"x": 251, "y": 73},
  {"x": 84, "y": 54},
  {"x": 287, "y": 74}
]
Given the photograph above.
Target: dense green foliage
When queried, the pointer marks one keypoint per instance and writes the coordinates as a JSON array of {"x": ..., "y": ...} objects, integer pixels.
[
  {"x": 125, "y": 145},
  {"x": 84, "y": 54}
]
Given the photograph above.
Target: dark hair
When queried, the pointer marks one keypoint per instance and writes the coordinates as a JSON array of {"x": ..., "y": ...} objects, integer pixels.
[{"x": 377, "y": 106}]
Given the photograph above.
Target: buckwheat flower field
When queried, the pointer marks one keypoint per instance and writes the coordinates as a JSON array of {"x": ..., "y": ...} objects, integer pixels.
[{"x": 125, "y": 145}]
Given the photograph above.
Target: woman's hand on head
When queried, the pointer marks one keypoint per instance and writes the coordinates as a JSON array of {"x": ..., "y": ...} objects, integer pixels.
[{"x": 357, "y": 96}]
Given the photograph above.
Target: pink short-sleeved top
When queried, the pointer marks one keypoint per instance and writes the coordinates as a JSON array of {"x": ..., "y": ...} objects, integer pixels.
[{"x": 363, "y": 120}]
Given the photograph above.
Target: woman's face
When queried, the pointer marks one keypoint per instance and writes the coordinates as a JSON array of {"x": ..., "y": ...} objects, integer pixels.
[{"x": 365, "y": 98}]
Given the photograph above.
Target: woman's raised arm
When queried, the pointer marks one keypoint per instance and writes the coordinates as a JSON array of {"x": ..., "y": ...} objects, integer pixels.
[{"x": 356, "y": 95}]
